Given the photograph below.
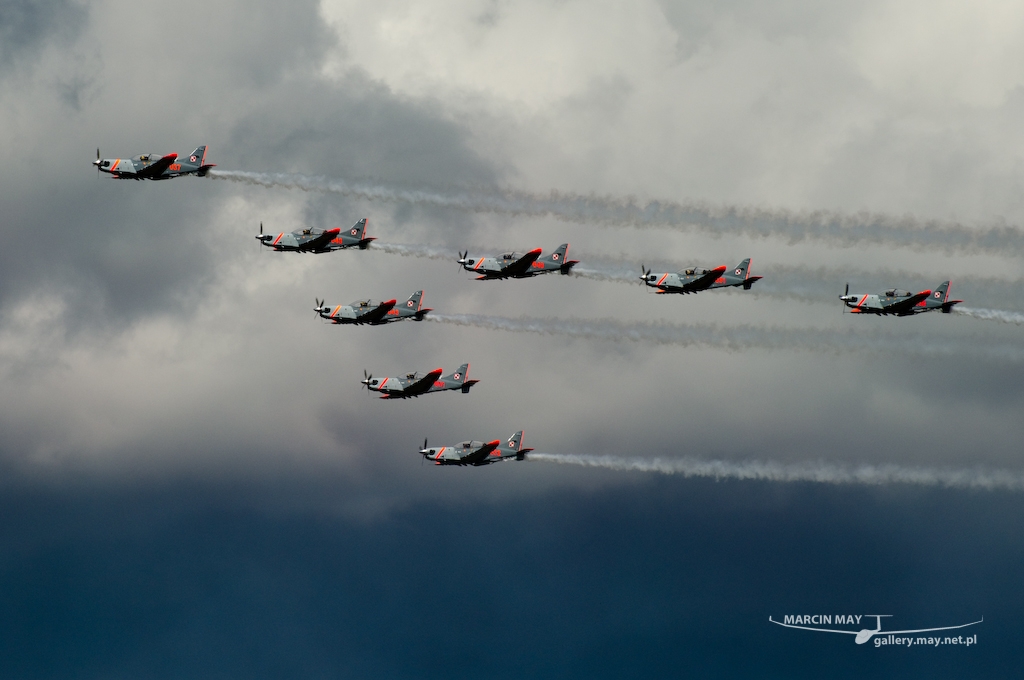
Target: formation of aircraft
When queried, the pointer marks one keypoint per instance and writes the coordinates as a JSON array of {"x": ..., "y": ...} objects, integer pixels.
[
  {"x": 900, "y": 302},
  {"x": 476, "y": 452},
  {"x": 508, "y": 265},
  {"x": 694, "y": 279},
  {"x": 154, "y": 165},
  {"x": 413, "y": 385},
  {"x": 317, "y": 240},
  {"x": 374, "y": 313},
  {"x": 515, "y": 266}
]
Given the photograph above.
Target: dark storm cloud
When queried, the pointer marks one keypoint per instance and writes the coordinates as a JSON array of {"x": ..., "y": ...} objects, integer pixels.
[
  {"x": 198, "y": 578},
  {"x": 26, "y": 26}
]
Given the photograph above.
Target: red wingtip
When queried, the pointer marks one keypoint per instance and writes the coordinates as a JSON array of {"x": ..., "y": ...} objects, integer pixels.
[
  {"x": 535, "y": 250},
  {"x": 390, "y": 302},
  {"x": 496, "y": 442},
  {"x": 719, "y": 269},
  {"x": 333, "y": 232},
  {"x": 172, "y": 156}
]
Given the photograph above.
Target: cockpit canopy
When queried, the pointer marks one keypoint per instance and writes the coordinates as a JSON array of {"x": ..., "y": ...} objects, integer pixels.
[
  {"x": 896, "y": 292},
  {"x": 695, "y": 271},
  {"x": 471, "y": 445},
  {"x": 147, "y": 157},
  {"x": 362, "y": 303},
  {"x": 508, "y": 256}
]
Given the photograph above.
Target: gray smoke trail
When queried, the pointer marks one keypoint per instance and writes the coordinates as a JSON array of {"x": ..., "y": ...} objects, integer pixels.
[
  {"x": 991, "y": 315},
  {"x": 414, "y": 250},
  {"x": 836, "y": 228},
  {"x": 769, "y": 471},
  {"x": 744, "y": 336}
]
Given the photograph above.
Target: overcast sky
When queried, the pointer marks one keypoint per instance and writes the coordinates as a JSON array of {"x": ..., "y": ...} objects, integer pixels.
[{"x": 181, "y": 436}]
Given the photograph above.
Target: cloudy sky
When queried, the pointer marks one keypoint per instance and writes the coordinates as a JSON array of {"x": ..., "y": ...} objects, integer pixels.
[{"x": 192, "y": 482}]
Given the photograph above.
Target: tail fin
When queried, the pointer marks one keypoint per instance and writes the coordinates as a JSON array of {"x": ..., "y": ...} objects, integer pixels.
[
  {"x": 560, "y": 258},
  {"x": 358, "y": 231},
  {"x": 940, "y": 298},
  {"x": 461, "y": 376},
  {"x": 742, "y": 270},
  {"x": 198, "y": 157},
  {"x": 515, "y": 442},
  {"x": 415, "y": 305}
]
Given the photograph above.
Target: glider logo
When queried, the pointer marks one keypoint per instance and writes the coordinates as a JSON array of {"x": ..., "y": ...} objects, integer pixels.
[{"x": 814, "y": 622}]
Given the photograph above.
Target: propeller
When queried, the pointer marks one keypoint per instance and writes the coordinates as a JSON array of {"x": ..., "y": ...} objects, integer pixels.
[
  {"x": 462, "y": 258},
  {"x": 643, "y": 275},
  {"x": 97, "y": 161},
  {"x": 367, "y": 377},
  {"x": 846, "y": 294},
  {"x": 319, "y": 309}
]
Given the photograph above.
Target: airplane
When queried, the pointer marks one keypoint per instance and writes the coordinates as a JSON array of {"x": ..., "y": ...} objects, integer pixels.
[
  {"x": 511, "y": 266},
  {"x": 694, "y": 279},
  {"x": 316, "y": 240},
  {"x": 154, "y": 165},
  {"x": 866, "y": 634},
  {"x": 477, "y": 453},
  {"x": 412, "y": 385},
  {"x": 374, "y": 313},
  {"x": 900, "y": 302}
]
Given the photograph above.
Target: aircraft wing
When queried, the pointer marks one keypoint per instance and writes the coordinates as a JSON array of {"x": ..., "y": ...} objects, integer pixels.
[
  {"x": 906, "y": 304},
  {"x": 523, "y": 264},
  {"x": 706, "y": 280},
  {"x": 321, "y": 241},
  {"x": 479, "y": 457},
  {"x": 422, "y": 385},
  {"x": 378, "y": 312},
  {"x": 157, "y": 168}
]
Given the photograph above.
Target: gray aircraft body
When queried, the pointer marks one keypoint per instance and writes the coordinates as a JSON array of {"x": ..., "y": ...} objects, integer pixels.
[
  {"x": 900, "y": 302},
  {"x": 317, "y": 240},
  {"x": 695, "y": 279},
  {"x": 413, "y": 385},
  {"x": 477, "y": 452},
  {"x": 515, "y": 266},
  {"x": 154, "y": 165},
  {"x": 374, "y": 313}
]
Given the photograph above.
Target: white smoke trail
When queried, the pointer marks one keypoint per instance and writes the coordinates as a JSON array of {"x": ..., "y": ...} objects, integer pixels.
[
  {"x": 414, "y": 250},
  {"x": 991, "y": 315},
  {"x": 820, "y": 472},
  {"x": 839, "y": 229},
  {"x": 744, "y": 336}
]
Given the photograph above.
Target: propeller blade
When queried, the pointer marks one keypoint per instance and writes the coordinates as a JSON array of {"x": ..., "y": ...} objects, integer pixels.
[{"x": 97, "y": 153}]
